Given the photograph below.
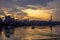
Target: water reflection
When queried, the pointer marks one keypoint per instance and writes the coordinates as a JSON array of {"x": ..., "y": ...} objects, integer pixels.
[{"x": 37, "y": 33}]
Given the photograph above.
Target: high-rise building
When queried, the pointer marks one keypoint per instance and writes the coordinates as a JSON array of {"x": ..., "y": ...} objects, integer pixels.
[{"x": 8, "y": 19}]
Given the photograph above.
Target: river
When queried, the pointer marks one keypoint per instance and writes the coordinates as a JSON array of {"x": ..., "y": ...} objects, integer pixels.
[{"x": 39, "y": 33}]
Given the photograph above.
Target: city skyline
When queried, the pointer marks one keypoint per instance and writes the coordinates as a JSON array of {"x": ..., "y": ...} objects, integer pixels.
[{"x": 29, "y": 19}]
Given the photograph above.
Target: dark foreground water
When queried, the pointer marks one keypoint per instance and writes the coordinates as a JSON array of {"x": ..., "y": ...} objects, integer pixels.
[{"x": 39, "y": 33}]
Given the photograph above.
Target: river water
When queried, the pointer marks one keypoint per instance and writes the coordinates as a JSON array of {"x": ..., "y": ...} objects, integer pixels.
[{"x": 39, "y": 33}]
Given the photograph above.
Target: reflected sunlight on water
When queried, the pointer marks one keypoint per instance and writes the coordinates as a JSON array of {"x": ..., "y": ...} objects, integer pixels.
[{"x": 37, "y": 33}]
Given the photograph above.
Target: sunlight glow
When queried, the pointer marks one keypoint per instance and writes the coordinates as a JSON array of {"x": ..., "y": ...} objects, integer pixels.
[{"x": 42, "y": 14}]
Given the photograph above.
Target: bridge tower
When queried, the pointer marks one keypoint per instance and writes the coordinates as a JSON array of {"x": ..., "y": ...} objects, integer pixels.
[
  {"x": 50, "y": 22},
  {"x": 51, "y": 18}
]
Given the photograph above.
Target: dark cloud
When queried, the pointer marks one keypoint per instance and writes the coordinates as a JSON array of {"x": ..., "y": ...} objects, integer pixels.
[
  {"x": 1, "y": 13},
  {"x": 9, "y": 3},
  {"x": 27, "y": 2},
  {"x": 21, "y": 3},
  {"x": 55, "y": 4},
  {"x": 14, "y": 10},
  {"x": 51, "y": 4},
  {"x": 22, "y": 14},
  {"x": 5, "y": 3}
]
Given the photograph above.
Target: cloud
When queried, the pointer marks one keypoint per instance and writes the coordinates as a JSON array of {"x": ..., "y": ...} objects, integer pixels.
[
  {"x": 11, "y": 3},
  {"x": 21, "y": 4},
  {"x": 55, "y": 4},
  {"x": 13, "y": 6},
  {"x": 22, "y": 14},
  {"x": 2, "y": 13},
  {"x": 43, "y": 14}
]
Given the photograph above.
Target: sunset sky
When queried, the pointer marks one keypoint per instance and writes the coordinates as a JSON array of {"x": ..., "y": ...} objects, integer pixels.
[{"x": 32, "y": 9}]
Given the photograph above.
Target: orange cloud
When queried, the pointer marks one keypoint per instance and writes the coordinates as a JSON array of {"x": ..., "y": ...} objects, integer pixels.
[{"x": 39, "y": 13}]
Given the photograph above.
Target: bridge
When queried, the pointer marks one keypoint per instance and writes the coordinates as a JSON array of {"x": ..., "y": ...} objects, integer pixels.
[{"x": 10, "y": 24}]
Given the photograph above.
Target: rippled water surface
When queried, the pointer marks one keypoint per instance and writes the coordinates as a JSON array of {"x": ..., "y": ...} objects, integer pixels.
[{"x": 38, "y": 33}]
